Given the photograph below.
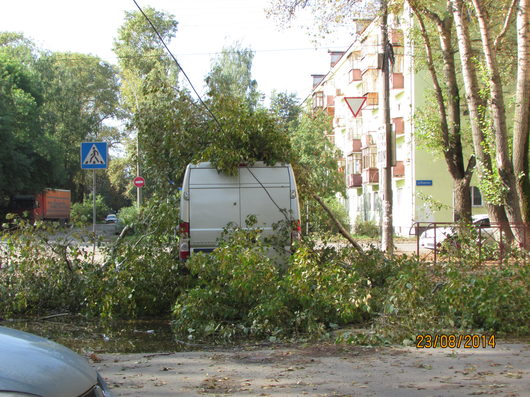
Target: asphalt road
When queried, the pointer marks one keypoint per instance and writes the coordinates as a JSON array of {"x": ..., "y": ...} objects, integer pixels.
[{"x": 322, "y": 370}]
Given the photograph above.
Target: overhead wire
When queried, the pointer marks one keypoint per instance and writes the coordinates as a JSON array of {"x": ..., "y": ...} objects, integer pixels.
[
  {"x": 178, "y": 64},
  {"x": 282, "y": 211}
]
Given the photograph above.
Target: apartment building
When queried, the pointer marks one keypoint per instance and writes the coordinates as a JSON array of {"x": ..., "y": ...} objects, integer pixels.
[{"x": 418, "y": 177}]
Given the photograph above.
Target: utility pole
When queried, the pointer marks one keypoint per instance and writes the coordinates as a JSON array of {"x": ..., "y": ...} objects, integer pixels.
[
  {"x": 387, "y": 240},
  {"x": 138, "y": 190}
]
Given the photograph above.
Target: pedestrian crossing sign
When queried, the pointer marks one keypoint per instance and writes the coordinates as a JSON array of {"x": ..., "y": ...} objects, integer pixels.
[{"x": 94, "y": 155}]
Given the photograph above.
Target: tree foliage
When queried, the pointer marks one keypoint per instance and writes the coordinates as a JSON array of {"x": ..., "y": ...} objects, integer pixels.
[
  {"x": 27, "y": 154},
  {"x": 80, "y": 94}
]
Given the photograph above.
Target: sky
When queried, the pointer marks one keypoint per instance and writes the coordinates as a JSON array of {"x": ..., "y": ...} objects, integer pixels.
[{"x": 284, "y": 59}]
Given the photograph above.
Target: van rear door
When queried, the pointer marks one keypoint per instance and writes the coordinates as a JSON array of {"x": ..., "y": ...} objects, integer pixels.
[
  {"x": 265, "y": 193},
  {"x": 213, "y": 203}
]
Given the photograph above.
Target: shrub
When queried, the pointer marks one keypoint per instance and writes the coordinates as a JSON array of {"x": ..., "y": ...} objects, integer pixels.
[
  {"x": 129, "y": 215},
  {"x": 319, "y": 220},
  {"x": 143, "y": 275},
  {"x": 230, "y": 282},
  {"x": 42, "y": 270},
  {"x": 241, "y": 292},
  {"x": 83, "y": 212},
  {"x": 366, "y": 228},
  {"x": 453, "y": 298},
  {"x": 39, "y": 274}
]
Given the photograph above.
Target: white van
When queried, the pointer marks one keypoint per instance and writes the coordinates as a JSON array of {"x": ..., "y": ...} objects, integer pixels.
[{"x": 211, "y": 200}]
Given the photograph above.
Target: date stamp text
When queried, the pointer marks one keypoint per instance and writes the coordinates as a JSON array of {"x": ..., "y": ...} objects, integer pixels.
[{"x": 454, "y": 341}]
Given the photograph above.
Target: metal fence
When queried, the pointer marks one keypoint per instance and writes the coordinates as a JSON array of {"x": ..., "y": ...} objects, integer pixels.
[{"x": 490, "y": 241}]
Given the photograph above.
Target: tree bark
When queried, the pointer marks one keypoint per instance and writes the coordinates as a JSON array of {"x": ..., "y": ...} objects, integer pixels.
[
  {"x": 474, "y": 103},
  {"x": 450, "y": 126},
  {"x": 498, "y": 111},
  {"x": 521, "y": 127},
  {"x": 462, "y": 198},
  {"x": 339, "y": 225}
]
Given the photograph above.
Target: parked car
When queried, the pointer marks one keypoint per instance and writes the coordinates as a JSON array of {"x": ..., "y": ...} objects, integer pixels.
[
  {"x": 31, "y": 366},
  {"x": 435, "y": 237},
  {"x": 111, "y": 218}
]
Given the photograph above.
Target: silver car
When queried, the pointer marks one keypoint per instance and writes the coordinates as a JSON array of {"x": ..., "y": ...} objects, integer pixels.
[
  {"x": 434, "y": 237},
  {"x": 31, "y": 366}
]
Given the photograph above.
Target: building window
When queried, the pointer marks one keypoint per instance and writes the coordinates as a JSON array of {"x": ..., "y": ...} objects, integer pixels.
[
  {"x": 370, "y": 157},
  {"x": 476, "y": 197},
  {"x": 355, "y": 128},
  {"x": 318, "y": 99},
  {"x": 353, "y": 165}
]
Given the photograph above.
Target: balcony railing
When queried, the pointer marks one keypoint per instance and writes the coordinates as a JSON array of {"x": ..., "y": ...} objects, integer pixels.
[
  {"x": 355, "y": 180},
  {"x": 356, "y": 145},
  {"x": 372, "y": 100},
  {"x": 370, "y": 176},
  {"x": 398, "y": 171},
  {"x": 355, "y": 75},
  {"x": 396, "y": 37},
  {"x": 398, "y": 81},
  {"x": 399, "y": 125}
]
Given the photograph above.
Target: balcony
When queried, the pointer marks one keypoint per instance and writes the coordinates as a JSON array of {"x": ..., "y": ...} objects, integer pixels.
[
  {"x": 367, "y": 140},
  {"x": 371, "y": 61},
  {"x": 330, "y": 105},
  {"x": 398, "y": 81},
  {"x": 399, "y": 125},
  {"x": 355, "y": 180},
  {"x": 372, "y": 100},
  {"x": 398, "y": 171},
  {"x": 396, "y": 37},
  {"x": 370, "y": 176},
  {"x": 356, "y": 145},
  {"x": 355, "y": 75}
]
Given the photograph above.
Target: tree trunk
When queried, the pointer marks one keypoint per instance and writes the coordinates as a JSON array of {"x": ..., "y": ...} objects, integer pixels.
[
  {"x": 498, "y": 111},
  {"x": 449, "y": 108},
  {"x": 521, "y": 127},
  {"x": 339, "y": 225},
  {"x": 474, "y": 102},
  {"x": 462, "y": 199}
]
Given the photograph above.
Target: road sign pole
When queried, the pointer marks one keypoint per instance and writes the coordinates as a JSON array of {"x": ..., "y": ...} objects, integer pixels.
[{"x": 94, "y": 201}]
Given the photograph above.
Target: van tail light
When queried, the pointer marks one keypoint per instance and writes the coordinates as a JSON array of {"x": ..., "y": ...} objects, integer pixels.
[
  {"x": 296, "y": 230},
  {"x": 184, "y": 242},
  {"x": 184, "y": 229}
]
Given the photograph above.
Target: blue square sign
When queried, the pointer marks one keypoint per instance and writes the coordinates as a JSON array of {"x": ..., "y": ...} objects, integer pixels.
[{"x": 94, "y": 155}]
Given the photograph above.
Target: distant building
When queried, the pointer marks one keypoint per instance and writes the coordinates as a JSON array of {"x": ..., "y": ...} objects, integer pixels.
[{"x": 417, "y": 175}]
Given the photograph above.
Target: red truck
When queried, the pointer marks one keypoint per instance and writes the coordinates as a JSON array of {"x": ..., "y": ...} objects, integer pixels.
[{"x": 50, "y": 204}]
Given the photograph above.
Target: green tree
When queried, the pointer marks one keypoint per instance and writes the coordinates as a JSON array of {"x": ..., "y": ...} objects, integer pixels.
[
  {"x": 80, "y": 94},
  {"x": 315, "y": 161},
  {"x": 231, "y": 75},
  {"x": 285, "y": 106},
  {"x": 242, "y": 131},
  {"x": 444, "y": 133},
  {"x": 316, "y": 156},
  {"x": 26, "y": 154},
  {"x": 159, "y": 112}
]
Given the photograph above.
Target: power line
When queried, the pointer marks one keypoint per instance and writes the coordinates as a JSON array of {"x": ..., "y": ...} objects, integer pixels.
[
  {"x": 177, "y": 63},
  {"x": 204, "y": 104}
]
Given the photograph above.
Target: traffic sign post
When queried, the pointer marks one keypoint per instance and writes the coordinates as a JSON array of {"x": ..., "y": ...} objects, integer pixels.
[
  {"x": 139, "y": 182},
  {"x": 94, "y": 155}
]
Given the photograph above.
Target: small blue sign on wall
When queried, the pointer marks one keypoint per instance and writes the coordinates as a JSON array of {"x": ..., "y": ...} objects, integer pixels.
[
  {"x": 423, "y": 182},
  {"x": 94, "y": 155}
]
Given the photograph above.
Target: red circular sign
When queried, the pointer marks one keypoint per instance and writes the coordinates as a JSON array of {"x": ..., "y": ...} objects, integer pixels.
[{"x": 139, "y": 181}]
